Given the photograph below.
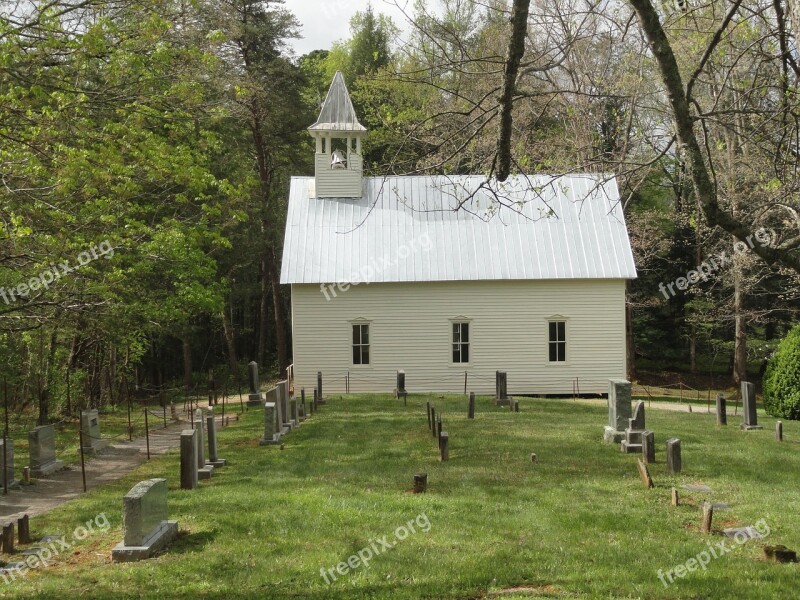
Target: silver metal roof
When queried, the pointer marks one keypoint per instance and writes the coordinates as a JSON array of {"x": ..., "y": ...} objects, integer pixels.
[
  {"x": 408, "y": 229},
  {"x": 337, "y": 112}
]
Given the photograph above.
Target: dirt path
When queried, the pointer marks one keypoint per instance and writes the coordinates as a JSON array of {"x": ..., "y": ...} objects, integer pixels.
[
  {"x": 696, "y": 409},
  {"x": 111, "y": 463}
]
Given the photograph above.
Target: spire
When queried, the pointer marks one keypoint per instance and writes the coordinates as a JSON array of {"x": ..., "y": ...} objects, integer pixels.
[{"x": 337, "y": 112}]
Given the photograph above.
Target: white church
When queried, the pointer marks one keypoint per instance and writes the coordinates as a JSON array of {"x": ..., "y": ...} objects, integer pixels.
[{"x": 452, "y": 278}]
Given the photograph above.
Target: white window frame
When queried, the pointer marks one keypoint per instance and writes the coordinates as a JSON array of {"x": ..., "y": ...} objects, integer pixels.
[
  {"x": 458, "y": 321},
  {"x": 361, "y": 322},
  {"x": 566, "y": 340}
]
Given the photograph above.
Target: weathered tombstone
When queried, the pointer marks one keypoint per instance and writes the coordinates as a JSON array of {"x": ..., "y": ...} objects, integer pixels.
[
  {"x": 428, "y": 410},
  {"x": 619, "y": 410},
  {"x": 439, "y": 429},
  {"x": 644, "y": 473},
  {"x": 780, "y": 554},
  {"x": 501, "y": 388},
  {"x": 722, "y": 410},
  {"x": 145, "y": 521},
  {"x": 320, "y": 396},
  {"x": 674, "y": 456},
  {"x": 211, "y": 434},
  {"x": 649, "y": 447},
  {"x": 283, "y": 395},
  {"x": 90, "y": 428},
  {"x": 271, "y": 433},
  {"x": 444, "y": 441},
  {"x": 7, "y": 463},
  {"x": 42, "y": 448},
  {"x": 315, "y": 405},
  {"x": 634, "y": 431},
  {"x": 400, "y": 391},
  {"x": 514, "y": 405},
  {"x": 188, "y": 459},
  {"x": 420, "y": 483},
  {"x": 675, "y": 500},
  {"x": 779, "y": 431},
  {"x": 8, "y": 538},
  {"x": 204, "y": 470},
  {"x": 293, "y": 412},
  {"x": 471, "y": 410},
  {"x": 24, "y": 529},
  {"x": 254, "y": 398},
  {"x": 749, "y": 415},
  {"x": 433, "y": 421},
  {"x": 708, "y": 516},
  {"x": 303, "y": 414}
]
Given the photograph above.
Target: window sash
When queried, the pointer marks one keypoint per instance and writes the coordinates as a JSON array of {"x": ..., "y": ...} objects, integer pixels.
[
  {"x": 361, "y": 344},
  {"x": 461, "y": 343},
  {"x": 557, "y": 343}
]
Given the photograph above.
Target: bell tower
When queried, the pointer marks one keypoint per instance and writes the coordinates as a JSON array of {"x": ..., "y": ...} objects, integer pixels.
[{"x": 338, "y": 163}]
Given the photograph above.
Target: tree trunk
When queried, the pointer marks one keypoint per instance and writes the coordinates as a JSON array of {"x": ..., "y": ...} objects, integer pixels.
[
  {"x": 280, "y": 326},
  {"x": 187, "y": 363},
  {"x": 230, "y": 341},
  {"x": 740, "y": 346},
  {"x": 262, "y": 319}
]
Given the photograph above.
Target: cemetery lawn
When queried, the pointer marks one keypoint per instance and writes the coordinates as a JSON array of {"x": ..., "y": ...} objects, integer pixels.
[{"x": 579, "y": 524}]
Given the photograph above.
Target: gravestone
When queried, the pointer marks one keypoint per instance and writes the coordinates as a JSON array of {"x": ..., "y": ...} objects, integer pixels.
[
  {"x": 501, "y": 388},
  {"x": 749, "y": 415},
  {"x": 42, "y": 448},
  {"x": 271, "y": 433},
  {"x": 439, "y": 429},
  {"x": 674, "y": 456},
  {"x": 722, "y": 410},
  {"x": 633, "y": 432},
  {"x": 7, "y": 463},
  {"x": 293, "y": 412},
  {"x": 303, "y": 414},
  {"x": 779, "y": 431},
  {"x": 254, "y": 397},
  {"x": 204, "y": 470},
  {"x": 619, "y": 410},
  {"x": 283, "y": 395},
  {"x": 90, "y": 428},
  {"x": 400, "y": 390},
  {"x": 428, "y": 409},
  {"x": 211, "y": 434},
  {"x": 320, "y": 397},
  {"x": 471, "y": 409},
  {"x": 444, "y": 443},
  {"x": 188, "y": 459},
  {"x": 644, "y": 473},
  {"x": 147, "y": 528},
  {"x": 433, "y": 420},
  {"x": 649, "y": 447}
]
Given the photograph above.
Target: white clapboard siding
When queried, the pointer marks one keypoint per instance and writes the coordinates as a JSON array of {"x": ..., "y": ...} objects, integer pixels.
[{"x": 410, "y": 329}]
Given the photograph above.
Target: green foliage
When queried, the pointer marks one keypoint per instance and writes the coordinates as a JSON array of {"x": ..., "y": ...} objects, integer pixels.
[{"x": 782, "y": 381}]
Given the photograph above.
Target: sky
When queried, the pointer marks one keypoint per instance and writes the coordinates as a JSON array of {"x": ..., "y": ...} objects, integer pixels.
[{"x": 326, "y": 21}]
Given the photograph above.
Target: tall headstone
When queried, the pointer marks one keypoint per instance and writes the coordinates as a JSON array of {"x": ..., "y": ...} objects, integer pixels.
[
  {"x": 749, "y": 415},
  {"x": 320, "y": 396},
  {"x": 188, "y": 459},
  {"x": 42, "y": 448},
  {"x": 619, "y": 410},
  {"x": 401, "y": 385},
  {"x": 501, "y": 388},
  {"x": 634, "y": 431},
  {"x": 433, "y": 420},
  {"x": 444, "y": 446},
  {"x": 283, "y": 394},
  {"x": 303, "y": 414},
  {"x": 211, "y": 434},
  {"x": 254, "y": 397},
  {"x": 428, "y": 409},
  {"x": 674, "y": 464},
  {"x": 295, "y": 417},
  {"x": 649, "y": 447},
  {"x": 144, "y": 518},
  {"x": 271, "y": 432},
  {"x": 90, "y": 428},
  {"x": 722, "y": 410},
  {"x": 204, "y": 470},
  {"x": 7, "y": 463},
  {"x": 471, "y": 410}
]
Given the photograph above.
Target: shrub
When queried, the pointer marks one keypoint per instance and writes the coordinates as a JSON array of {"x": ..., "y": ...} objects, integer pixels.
[{"x": 782, "y": 380}]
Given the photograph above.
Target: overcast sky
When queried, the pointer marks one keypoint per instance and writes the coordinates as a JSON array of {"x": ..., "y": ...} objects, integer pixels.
[{"x": 325, "y": 21}]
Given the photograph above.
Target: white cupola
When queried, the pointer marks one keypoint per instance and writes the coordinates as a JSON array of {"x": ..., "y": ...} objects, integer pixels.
[{"x": 338, "y": 166}]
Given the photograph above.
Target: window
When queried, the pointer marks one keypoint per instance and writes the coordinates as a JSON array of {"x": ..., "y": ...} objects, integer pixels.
[
  {"x": 460, "y": 342},
  {"x": 361, "y": 344},
  {"x": 558, "y": 341}
]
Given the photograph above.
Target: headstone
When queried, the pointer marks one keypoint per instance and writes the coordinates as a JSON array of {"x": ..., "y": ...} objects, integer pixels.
[
  {"x": 433, "y": 420},
  {"x": 7, "y": 463},
  {"x": 634, "y": 431},
  {"x": 722, "y": 410},
  {"x": 90, "y": 428},
  {"x": 145, "y": 521},
  {"x": 303, "y": 414},
  {"x": 293, "y": 412},
  {"x": 271, "y": 433},
  {"x": 675, "y": 500},
  {"x": 7, "y": 545},
  {"x": 644, "y": 473},
  {"x": 744, "y": 534},
  {"x": 697, "y": 487},
  {"x": 707, "y": 518},
  {"x": 401, "y": 385},
  {"x": 42, "y": 448},
  {"x": 320, "y": 396},
  {"x": 444, "y": 441},
  {"x": 428, "y": 409},
  {"x": 24, "y": 529},
  {"x": 420, "y": 483},
  {"x": 674, "y": 456},
  {"x": 471, "y": 410},
  {"x": 649, "y": 447},
  {"x": 439, "y": 429},
  {"x": 501, "y": 388},
  {"x": 254, "y": 397},
  {"x": 204, "y": 470},
  {"x": 619, "y": 410},
  {"x": 780, "y": 554},
  {"x": 283, "y": 395},
  {"x": 749, "y": 414},
  {"x": 188, "y": 459},
  {"x": 211, "y": 434},
  {"x": 779, "y": 431}
]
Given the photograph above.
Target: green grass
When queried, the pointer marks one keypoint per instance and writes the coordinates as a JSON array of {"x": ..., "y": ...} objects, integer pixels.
[{"x": 577, "y": 524}]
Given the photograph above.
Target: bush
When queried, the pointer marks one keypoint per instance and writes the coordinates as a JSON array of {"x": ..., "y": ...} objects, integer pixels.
[{"x": 782, "y": 380}]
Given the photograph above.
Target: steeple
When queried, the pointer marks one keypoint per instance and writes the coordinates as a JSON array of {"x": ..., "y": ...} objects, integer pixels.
[{"x": 338, "y": 134}]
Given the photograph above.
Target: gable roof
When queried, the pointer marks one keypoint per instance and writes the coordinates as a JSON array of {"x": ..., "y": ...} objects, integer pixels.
[
  {"x": 569, "y": 227},
  {"x": 337, "y": 112}
]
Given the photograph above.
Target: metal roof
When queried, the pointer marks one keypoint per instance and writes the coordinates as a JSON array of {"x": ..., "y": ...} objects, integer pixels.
[
  {"x": 337, "y": 112},
  {"x": 408, "y": 229}
]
